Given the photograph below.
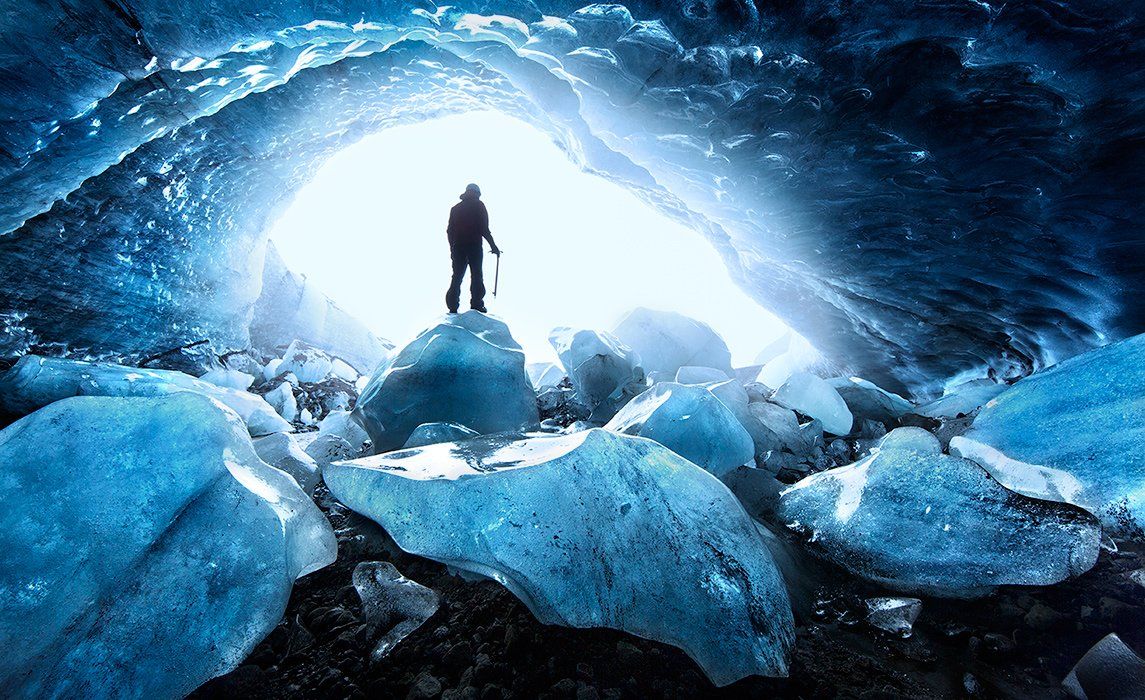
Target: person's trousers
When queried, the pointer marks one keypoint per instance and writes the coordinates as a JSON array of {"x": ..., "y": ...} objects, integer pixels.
[{"x": 466, "y": 255}]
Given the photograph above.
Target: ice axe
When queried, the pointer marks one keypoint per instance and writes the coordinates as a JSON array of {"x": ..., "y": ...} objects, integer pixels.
[{"x": 497, "y": 273}]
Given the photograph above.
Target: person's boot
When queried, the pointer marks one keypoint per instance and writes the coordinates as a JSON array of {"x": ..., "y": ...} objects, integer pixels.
[{"x": 480, "y": 308}]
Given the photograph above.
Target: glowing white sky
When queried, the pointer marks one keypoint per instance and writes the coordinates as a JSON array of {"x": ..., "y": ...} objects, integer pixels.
[{"x": 369, "y": 230}]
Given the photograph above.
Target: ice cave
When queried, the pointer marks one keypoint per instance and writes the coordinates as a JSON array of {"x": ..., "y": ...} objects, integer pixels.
[{"x": 816, "y": 366}]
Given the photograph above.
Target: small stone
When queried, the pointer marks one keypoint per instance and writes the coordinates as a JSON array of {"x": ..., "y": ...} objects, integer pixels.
[{"x": 425, "y": 687}]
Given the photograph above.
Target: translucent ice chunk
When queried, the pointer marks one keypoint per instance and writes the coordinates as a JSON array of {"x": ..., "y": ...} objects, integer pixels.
[
  {"x": 145, "y": 544},
  {"x": 342, "y": 424},
  {"x": 1032, "y": 480},
  {"x": 814, "y": 397},
  {"x": 667, "y": 341},
  {"x": 699, "y": 375},
  {"x": 37, "y": 381},
  {"x": 309, "y": 364},
  {"x": 392, "y": 605},
  {"x": 919, "y": 521},
  {"x": 894, "y": 615},
  {"x": 604, "y": 371},
  {"x": 466, "y": 369},
  {"x": 593, "y": 529},
  {"x": 282, "y": 451},
  {"x": 1108, "y": 670},
  {"x": 281, "y": 398},
  {"x": 690, "y": 421},
  {"x": 869, "y": 401},
  {"x": 544, "y": 375}
]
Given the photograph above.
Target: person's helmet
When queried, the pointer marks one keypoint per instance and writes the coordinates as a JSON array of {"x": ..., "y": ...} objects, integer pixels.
[{"x": 472, "y": 187}]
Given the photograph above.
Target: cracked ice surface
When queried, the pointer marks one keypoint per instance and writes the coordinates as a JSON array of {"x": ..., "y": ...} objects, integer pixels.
[
  {"x": 197, "y": 546},
  {"x": 592, "y": 529}
]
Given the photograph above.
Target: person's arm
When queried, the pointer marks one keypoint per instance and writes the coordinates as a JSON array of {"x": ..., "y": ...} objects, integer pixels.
[
  {"x": 485, "y": 232},
  {"x": 449, "y": 229}
]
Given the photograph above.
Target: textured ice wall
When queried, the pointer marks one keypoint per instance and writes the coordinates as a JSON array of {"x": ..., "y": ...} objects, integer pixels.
[{"x": 919, "y": 189}]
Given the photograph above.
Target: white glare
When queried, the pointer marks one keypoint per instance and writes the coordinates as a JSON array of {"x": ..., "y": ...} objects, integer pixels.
[{"x": 580, "y": 251}]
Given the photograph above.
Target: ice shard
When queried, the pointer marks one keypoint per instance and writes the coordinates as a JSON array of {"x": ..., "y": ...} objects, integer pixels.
[
  {"x": 692, "y": 422},
  {"x": 465, "y": 369},
  {"x": 814, "y": 397},
  {"x": 593, "y": 529},
  {"x": 197, "y": 546},
  {"x": 393, "y": 606},
  {"x": 1085, "y": 417},
  {"x": 37, "y": 381},
  {"x": 918, "y": 521}
]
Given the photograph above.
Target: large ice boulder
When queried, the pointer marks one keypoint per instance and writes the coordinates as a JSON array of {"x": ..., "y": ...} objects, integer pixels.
[
  {"x": 814, "y": 397},
  {"x": 35, "y": 382},
  {"x": 465, "y": 369},
  {"x": 592, "y": 529},
  {"x": 146, "y": 548},
  {"x": 667, "y": 341},
  {"x": 919, "y": 521},
  {"x": 692, "y": 422},
  {"x": 604, "y": 371},
  {"x": 1085, "y": 417}
]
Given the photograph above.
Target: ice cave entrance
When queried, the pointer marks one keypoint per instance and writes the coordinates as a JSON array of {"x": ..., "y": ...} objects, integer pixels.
[{"x": 369, "y": 230}]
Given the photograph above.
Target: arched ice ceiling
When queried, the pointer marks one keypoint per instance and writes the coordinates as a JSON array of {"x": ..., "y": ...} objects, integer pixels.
[{"x": 921, "y": 189}]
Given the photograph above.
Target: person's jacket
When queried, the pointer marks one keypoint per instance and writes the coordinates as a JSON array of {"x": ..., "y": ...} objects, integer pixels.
[{"x": 469, "y": 223}]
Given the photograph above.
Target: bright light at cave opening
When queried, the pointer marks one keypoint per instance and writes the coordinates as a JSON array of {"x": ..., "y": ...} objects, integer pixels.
[{"x": 580, "y": 251}]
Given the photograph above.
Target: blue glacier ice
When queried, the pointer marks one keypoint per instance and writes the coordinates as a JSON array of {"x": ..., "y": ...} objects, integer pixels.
[
  {"x": 433, "y": 433},
  {"x": 1033, "y": 480},
  {"x": 605, "y": 373},
  {"x": 145, "y": 544},
  {"x": 667, "y": 341},
  {"x": 1085, "y": 417},
  {"x": 918, "y": 521},
  {"x": 869, "y": 401},
  {"x": 34, "y": 382},
  {"x": 282, "y": 451},
  {"x": 816, "y": 398},
  {"x": 692, "y": 422},
  {"x": 465, "y": 369},
  {"x": 962, "y": 399},
  {"x": 593, "y": 529}
]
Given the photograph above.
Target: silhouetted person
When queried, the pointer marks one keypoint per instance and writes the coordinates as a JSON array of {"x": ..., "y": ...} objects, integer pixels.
[{"x": 468, "y": 224}]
